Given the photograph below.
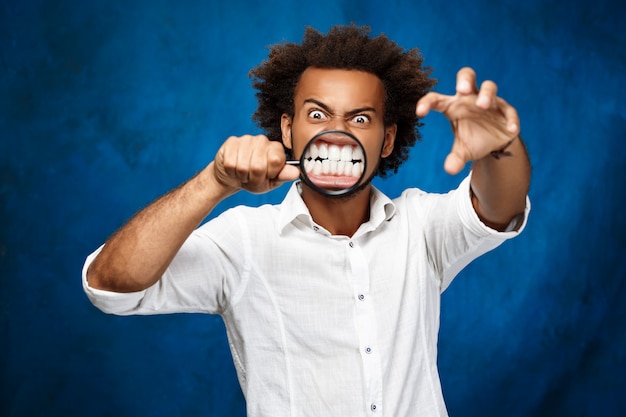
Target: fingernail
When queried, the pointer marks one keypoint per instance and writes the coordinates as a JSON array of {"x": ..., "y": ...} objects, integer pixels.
[
  {"x": 464, "y": 86},
  {"x": 482, "y": 101}
]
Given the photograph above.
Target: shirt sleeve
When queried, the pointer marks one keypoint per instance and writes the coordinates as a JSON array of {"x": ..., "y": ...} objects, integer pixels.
[
  {"x": 488, "y": 238},
  {"x": 456, "y": 236},
  {"x": 200, "y": 279},
  {"x": 107, "y": 301}
]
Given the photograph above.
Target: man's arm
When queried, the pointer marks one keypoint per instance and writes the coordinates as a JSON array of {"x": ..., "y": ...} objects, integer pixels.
[
  {"x": 500, "y": 183},
  {"x": 137, "y": 255},
  {"x": 486, "y": 131}
]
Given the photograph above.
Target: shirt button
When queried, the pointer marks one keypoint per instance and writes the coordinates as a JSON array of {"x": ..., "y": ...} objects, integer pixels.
[
  {"x": 361, "y": 297},
  {"x": 351, "y": 244},
  {"x": 373, "y": 407},
  {"x": 368, "y": 349},
  {"x": 315, "y": 228}
]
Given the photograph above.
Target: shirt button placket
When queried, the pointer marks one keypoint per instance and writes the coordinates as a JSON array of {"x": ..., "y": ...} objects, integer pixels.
[{"x": 366, "y": 327}]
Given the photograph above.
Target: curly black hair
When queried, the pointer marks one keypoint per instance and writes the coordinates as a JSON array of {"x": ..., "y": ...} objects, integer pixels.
[{"x": 404, "y": 78}]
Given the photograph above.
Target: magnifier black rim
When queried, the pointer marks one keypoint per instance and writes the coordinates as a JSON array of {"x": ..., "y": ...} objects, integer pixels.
[{"x": 346, "y": 191}]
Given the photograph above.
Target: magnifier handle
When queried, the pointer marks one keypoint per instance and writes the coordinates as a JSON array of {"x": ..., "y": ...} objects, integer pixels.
[{"x": 295, "y": 163}]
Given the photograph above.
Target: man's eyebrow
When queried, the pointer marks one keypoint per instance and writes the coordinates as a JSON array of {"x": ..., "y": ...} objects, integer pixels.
[{"x": 348, "y": 113}]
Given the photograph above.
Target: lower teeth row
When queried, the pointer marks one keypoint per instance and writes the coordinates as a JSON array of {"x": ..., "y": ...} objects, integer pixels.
[{"x": 328, "y": 167}]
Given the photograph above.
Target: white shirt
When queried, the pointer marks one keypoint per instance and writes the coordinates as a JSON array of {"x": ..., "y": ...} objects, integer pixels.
[{"x": 322, "y": 325}]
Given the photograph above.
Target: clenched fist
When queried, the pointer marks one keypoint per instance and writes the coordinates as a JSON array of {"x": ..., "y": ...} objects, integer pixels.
[{"x": 252, "y": 163}]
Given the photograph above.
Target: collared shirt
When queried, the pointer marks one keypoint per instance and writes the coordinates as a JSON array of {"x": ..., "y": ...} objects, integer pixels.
[{"x": 323, "y": 325}]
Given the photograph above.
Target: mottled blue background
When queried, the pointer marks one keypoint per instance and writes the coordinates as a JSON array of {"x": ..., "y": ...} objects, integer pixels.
[{"x": 105, "y": 105}]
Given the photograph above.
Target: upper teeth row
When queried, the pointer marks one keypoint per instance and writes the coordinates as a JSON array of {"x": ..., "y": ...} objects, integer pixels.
[
  {"x": 328, "y": 167},
  {"x": 346, "y": 153},
  {"x": 335, "y": 160}
]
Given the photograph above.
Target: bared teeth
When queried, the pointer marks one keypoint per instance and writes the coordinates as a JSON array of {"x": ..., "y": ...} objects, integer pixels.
[
  {"x": 332, "y": 159},
  {"x": 325, "y": 166},
  {"x": 357, "y": 154},
  {"x": 317, "y": 167},
  {"x": 334, "y": 153},
  {"x": 346, "y": 154},
  {"x": 322, "y": 151}
]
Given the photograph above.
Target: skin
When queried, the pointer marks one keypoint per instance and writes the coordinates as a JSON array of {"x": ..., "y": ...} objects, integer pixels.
[
  {"x": 482, "y": 123},
  {"x": 137, "y": 255},
  {"x": 350, "y": 101}
]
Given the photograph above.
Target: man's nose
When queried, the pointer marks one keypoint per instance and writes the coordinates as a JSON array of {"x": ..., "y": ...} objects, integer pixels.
[{"x": 337, "y": 123}]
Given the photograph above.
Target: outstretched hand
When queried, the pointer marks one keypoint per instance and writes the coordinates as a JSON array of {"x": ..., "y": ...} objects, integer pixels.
[{"x": 481, "y": 121}]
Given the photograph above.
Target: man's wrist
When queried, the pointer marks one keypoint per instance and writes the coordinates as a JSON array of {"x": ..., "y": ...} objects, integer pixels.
[{"x": 503, "y": 152}]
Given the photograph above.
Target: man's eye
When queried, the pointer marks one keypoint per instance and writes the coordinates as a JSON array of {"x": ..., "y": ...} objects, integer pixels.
[
  {"x": 360, "y": 119},
  {"x": 316, "y": 114}
]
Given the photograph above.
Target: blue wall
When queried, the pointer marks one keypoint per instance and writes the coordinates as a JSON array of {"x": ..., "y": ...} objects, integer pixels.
[{"x": 106, "y": 105}]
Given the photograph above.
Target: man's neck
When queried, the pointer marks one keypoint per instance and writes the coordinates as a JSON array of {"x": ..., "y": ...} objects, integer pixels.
[{"x": 340, "y": 216}]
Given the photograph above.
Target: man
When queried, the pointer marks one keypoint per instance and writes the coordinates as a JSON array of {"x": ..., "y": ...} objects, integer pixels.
[{"x": 331, "y": 304}]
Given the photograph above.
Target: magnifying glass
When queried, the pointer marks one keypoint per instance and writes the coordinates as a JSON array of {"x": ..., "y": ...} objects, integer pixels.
[{"x": 332, "y": 163}]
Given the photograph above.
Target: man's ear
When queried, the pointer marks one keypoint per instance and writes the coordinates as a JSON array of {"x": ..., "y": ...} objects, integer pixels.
[
  {"x": 285, "y": 128},
  {"x": 390, "y": 140}
]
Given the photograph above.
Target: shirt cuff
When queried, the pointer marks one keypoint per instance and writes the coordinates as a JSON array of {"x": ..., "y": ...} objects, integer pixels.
[
  {"x": 109, "y": 301},
  {"x": 471, "y": 220}
]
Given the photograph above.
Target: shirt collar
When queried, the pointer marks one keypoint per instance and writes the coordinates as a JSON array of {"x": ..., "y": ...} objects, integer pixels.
[{"x": 293, "y": 209}]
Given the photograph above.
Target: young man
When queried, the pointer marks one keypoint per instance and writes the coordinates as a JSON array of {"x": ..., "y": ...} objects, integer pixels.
[{"x": 331, "y": 304}]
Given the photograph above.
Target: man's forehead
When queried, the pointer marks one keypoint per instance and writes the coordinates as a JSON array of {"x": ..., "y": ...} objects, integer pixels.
[{"x": 341, "y": 86}]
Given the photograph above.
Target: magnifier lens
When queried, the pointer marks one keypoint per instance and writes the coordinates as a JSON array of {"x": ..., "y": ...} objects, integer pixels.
[{"x": 333, "y": 163}]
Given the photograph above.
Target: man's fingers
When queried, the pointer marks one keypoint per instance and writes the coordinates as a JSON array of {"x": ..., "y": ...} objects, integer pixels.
[
  {"x": 288, "y": 173},
  {"x": 248, "y": 168},
  {"x": 487, "y": 94},
  {"x": 456, "y": 159},
  {"x": 511, "y": 116},
  {"x": 453, "y": 164},
  {"x": 276, "y": 164},
  {"x": 481, "y": 121},
  {"x": 265, "y": 159},
  {"x": 466, "y": 81},
  {"x": 253, "y": 163},
  {"x": 256, "y": 167},
  {"x": 228, "y": 157},
  {"x": 432, "y": 101}
]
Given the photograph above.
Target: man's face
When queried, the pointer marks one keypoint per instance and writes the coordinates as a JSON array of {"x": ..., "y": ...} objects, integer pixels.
[{"x": 346, "y": 100}]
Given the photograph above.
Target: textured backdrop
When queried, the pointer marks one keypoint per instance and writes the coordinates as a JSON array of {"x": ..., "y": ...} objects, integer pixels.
[{"x": 105, "y": 105}]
